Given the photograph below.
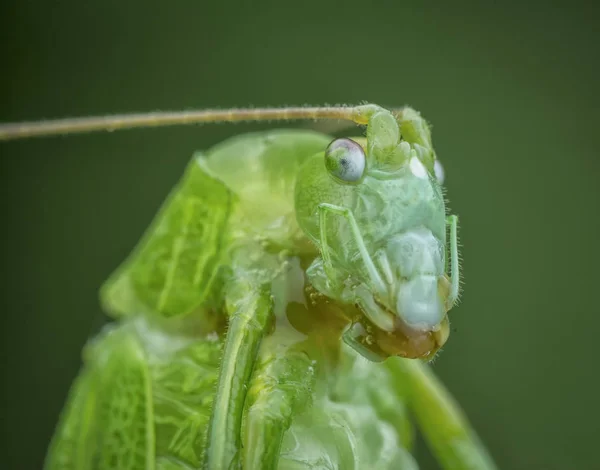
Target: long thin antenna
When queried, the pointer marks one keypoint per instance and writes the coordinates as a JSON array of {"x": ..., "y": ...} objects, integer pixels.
[{"x": 22, "y": 130}]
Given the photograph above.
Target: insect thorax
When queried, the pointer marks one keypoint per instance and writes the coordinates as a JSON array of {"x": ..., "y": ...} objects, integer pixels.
[{"x": 261, "y": 170}]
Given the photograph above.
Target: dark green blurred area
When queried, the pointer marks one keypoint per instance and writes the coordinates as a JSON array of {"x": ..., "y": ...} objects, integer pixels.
[{"x": 511, "y": 92}]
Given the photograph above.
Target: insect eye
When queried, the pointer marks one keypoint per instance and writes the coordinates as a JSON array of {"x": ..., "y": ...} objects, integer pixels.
[{"x": 345, "y": 160}]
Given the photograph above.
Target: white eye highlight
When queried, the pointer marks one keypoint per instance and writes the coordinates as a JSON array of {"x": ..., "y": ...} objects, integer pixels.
[
  {"x": 345, "y": 160},
  {"x": 438, "y": 169},
  {"x": 417, "y": 168}
]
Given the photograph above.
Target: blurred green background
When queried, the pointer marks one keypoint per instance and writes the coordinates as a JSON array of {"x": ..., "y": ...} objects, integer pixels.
[{"x": 510, "y": 89}]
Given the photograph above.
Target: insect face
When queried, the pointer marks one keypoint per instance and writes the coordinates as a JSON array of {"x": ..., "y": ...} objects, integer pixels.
[
  {"x": 381, "y": 228},
  {"x": 401, "y": 217}
]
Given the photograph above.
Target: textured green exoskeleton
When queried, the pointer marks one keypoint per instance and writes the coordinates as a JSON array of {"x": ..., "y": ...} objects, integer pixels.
[{"x": 277, "y": 265}]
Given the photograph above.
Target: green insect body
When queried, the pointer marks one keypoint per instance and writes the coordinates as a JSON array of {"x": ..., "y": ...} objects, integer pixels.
[{"x": 227, "y": 352}]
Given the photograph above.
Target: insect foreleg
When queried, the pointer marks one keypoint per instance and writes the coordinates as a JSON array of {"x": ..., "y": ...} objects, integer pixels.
[
  {"x": 325, "y": 208},
  {"x": 452, "y": 221},
  {"x": 250, "y": 308}
]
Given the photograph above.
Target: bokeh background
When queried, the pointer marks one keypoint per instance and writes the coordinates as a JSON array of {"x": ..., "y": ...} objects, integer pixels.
[{"x": 510, "y": 89}]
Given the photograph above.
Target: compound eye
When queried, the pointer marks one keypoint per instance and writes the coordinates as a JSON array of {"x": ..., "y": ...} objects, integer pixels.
[{"x": 345, "y": 160}]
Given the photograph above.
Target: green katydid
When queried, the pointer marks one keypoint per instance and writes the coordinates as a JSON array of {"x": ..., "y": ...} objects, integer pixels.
[{"x": 280, "y": 262}]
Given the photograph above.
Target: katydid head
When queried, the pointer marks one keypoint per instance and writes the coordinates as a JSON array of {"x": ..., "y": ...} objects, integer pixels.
[{"x": 377, "y": 213}]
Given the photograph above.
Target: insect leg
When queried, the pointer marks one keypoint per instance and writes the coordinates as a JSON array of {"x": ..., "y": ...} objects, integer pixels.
[
  {"x": 325, "y": 208},
  {"x": 250, "y": 308},
  {"x": 443, "y": 424},
  {"x": 452, "y": 221}
]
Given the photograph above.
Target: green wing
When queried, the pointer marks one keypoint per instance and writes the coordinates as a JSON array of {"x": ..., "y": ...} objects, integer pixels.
[
  {"x": 73, "y": 443},
  {"x": 142, "y": 401},
  {"x": 173, "y": 268}
]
